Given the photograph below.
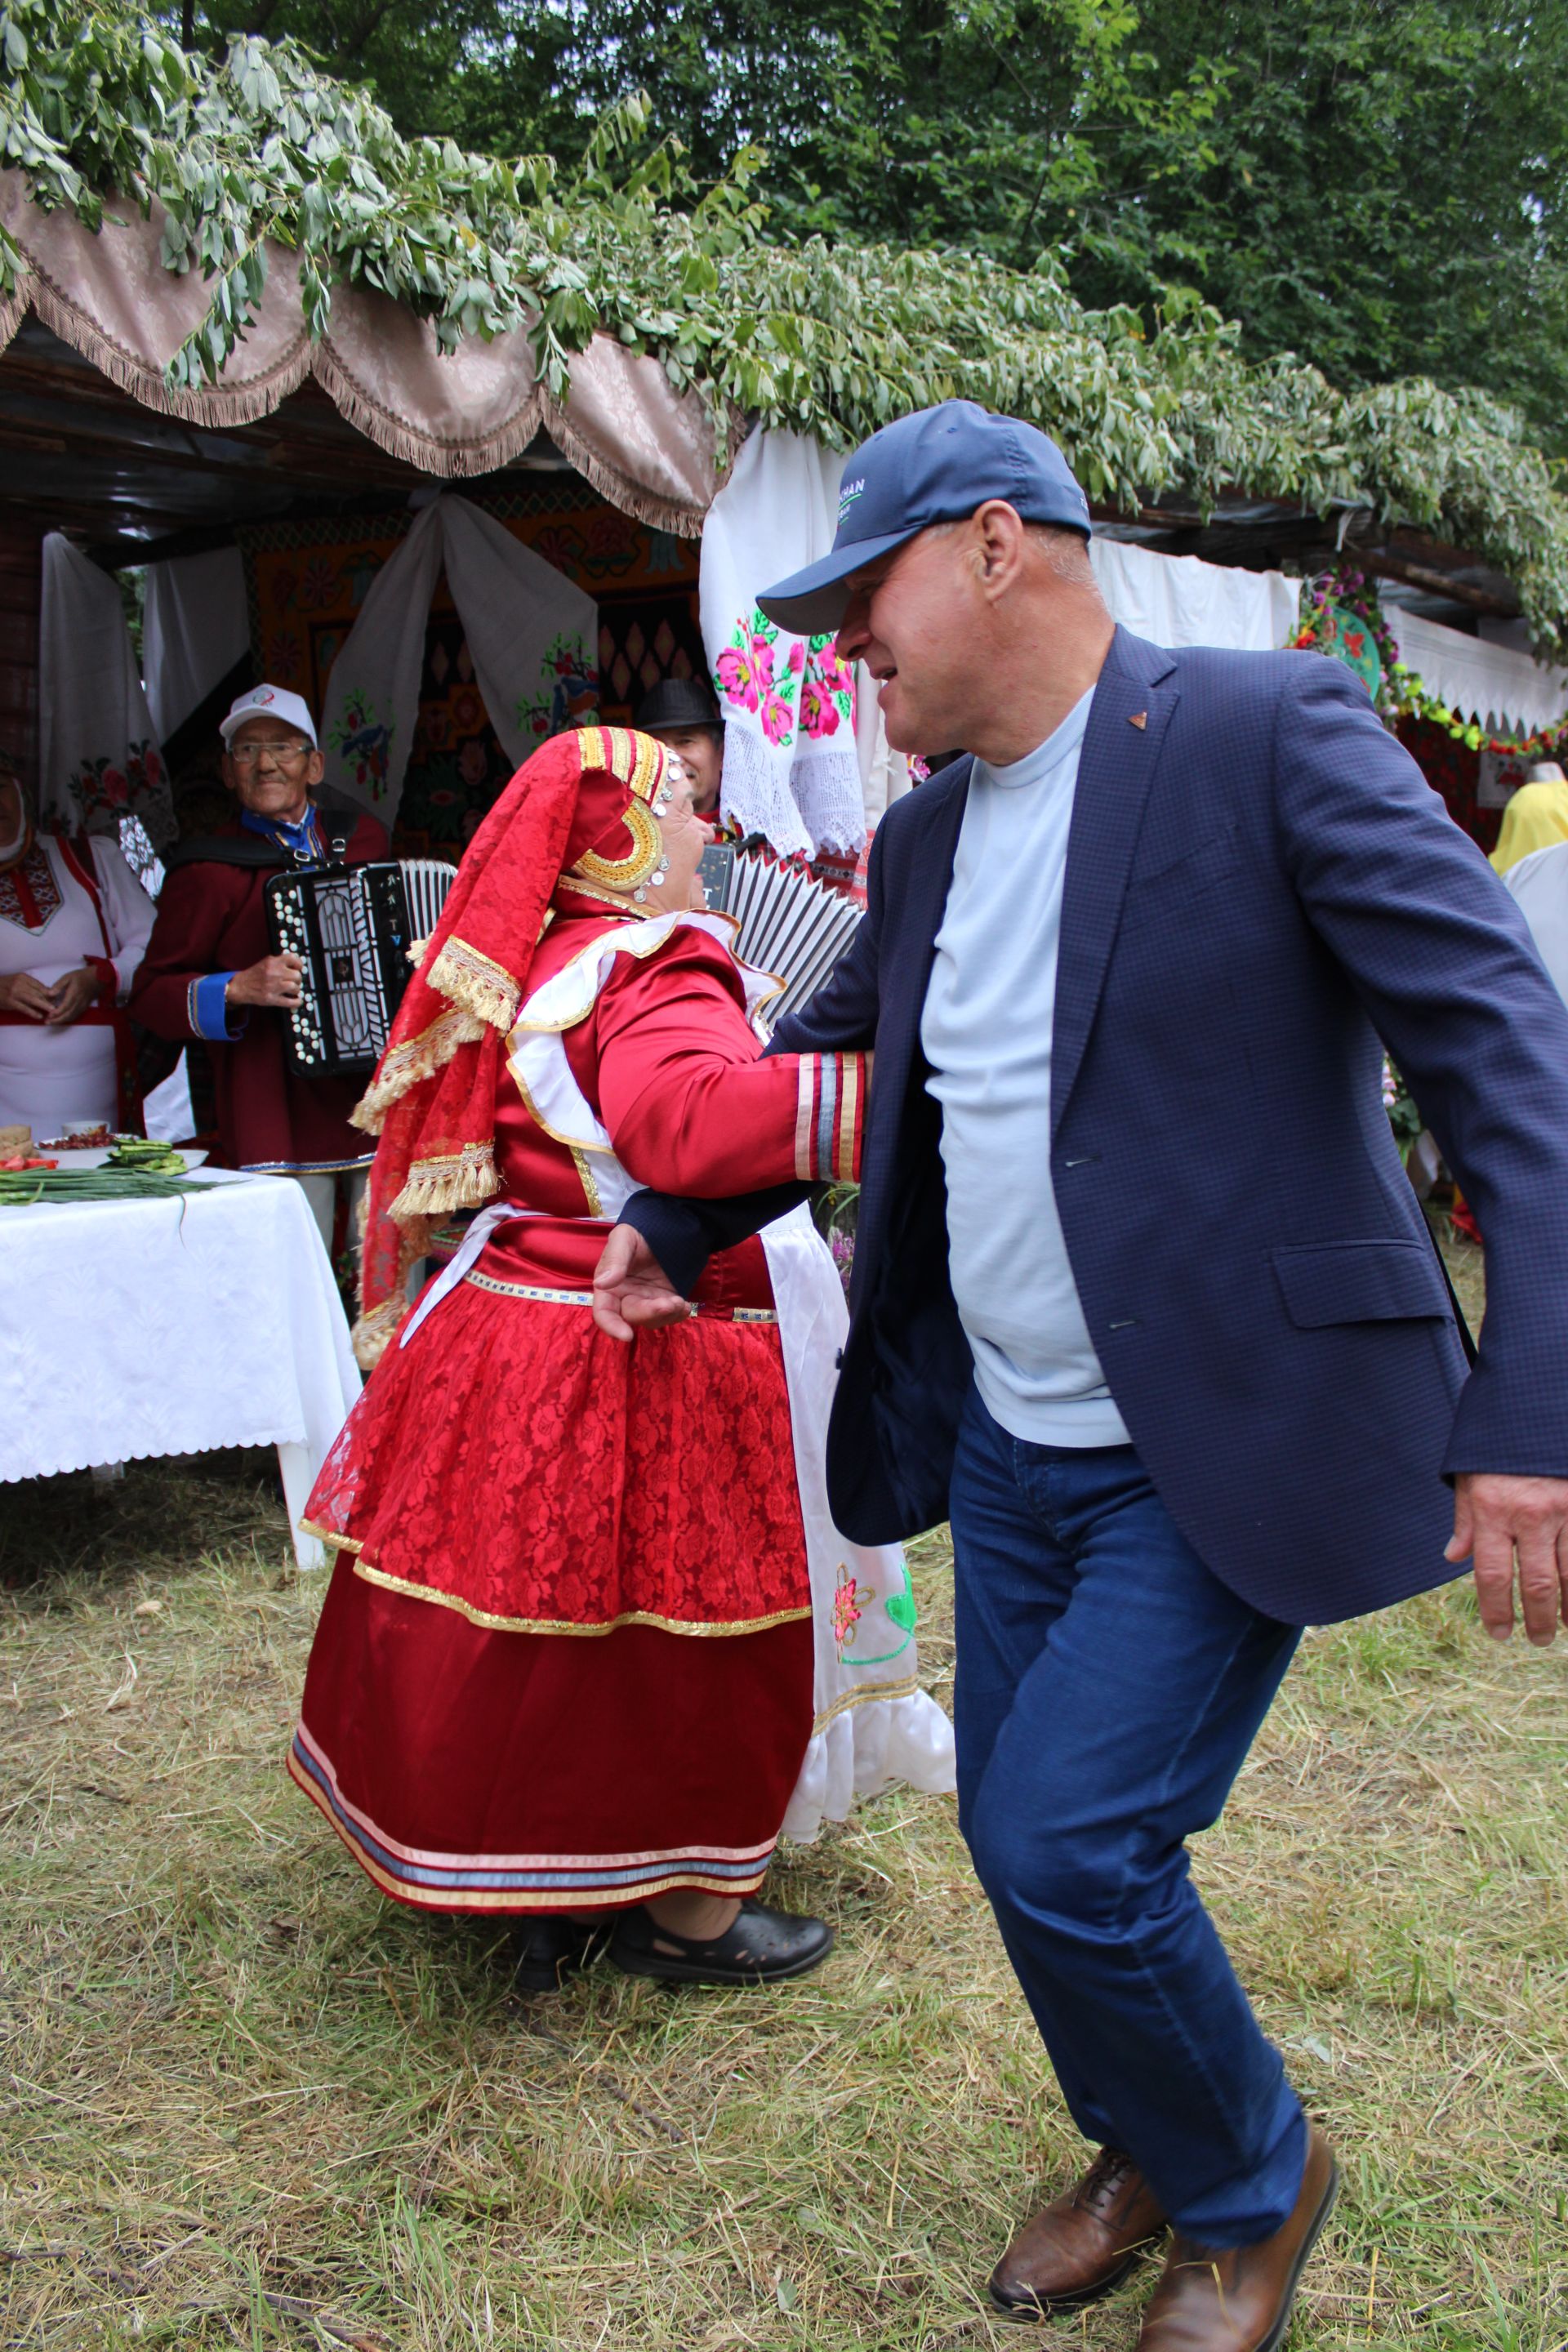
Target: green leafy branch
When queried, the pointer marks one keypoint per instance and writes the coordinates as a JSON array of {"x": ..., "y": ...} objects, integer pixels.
[{"x": 819, "y": 336}]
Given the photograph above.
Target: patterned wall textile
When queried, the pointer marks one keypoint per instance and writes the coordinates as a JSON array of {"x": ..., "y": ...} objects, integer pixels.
[
  {"x": 307, "y": 581},
  {"x": 1454, "y": 771}
]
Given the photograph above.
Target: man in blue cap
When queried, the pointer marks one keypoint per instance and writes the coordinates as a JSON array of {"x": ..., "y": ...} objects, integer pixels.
[{"x": 1143, "y": 1302}]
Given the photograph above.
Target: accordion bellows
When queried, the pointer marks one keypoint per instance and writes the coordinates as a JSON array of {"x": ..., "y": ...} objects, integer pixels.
[{"x": 790, "y": 924}]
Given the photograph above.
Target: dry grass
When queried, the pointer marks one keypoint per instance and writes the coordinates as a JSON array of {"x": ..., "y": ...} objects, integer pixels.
[{"x": 247, "y": 2101}]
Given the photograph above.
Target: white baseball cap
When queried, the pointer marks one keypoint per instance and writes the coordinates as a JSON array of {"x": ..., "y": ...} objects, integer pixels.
[{"x": 270, "y": 702}]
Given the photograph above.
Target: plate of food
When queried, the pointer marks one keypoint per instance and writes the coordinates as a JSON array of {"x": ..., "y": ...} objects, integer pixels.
[{"x": 99, "y": 1148}]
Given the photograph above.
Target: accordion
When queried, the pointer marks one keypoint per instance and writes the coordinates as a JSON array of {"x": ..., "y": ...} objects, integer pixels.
[
  {"x": 349, "y": 925},
  {"x": 790, "y": 924}
]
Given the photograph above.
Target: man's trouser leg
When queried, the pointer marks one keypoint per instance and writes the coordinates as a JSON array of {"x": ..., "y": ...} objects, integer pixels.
[
  {"x": 1109, "y": 1687},
  {"x": 322, "y": 1192}
]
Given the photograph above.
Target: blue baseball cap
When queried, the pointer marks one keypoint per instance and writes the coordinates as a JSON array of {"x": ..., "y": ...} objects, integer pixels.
[{"x": 937, "y": 466}]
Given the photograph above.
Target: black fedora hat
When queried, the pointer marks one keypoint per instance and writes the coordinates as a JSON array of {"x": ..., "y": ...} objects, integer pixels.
[{"x": 678, "y": 702}]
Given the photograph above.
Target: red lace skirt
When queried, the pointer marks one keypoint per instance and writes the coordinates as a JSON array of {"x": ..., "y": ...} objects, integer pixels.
[
  {"x": 565, "y": 1659},
  {"x": 515, "y": 1464}
]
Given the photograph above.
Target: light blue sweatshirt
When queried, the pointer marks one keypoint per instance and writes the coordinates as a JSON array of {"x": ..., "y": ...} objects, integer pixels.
[{"x": 986, "y": 1032}]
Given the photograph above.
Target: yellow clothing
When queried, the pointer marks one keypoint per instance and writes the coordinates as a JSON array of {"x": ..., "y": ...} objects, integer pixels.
[{"x": 1534, "y": 818}]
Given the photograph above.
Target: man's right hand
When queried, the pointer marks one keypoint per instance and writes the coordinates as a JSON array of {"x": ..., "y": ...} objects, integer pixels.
[
  {"x": 632, "y": 1292},
  {"x": 274, "y": 981}
]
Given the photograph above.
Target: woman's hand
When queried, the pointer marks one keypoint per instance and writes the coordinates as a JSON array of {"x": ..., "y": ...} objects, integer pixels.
[
  {"x": 72, "y": 994},
  {"x": 23, "y": 993},
  {"x": 632, "y": 1292}
]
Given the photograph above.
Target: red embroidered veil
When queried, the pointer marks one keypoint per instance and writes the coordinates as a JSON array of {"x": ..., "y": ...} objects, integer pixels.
[{"x": 584, "y": 798}]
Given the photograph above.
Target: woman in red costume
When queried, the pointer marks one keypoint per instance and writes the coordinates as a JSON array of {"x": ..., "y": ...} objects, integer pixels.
[{"x": 564, "y": 1666}]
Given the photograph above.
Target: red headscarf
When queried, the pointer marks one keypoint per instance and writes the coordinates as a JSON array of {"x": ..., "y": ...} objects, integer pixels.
[{"x": 584, "y": 801}]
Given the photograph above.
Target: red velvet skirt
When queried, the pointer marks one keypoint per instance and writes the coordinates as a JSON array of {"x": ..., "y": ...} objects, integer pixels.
[{"x": 565, "y": 1659}]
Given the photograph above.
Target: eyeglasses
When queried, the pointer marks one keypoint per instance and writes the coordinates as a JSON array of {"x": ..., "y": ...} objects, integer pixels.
[{"x": 286, "y": 755}]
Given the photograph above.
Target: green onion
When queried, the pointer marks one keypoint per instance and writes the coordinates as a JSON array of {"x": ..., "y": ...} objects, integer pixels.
[{"x": 21, "y": 1187}]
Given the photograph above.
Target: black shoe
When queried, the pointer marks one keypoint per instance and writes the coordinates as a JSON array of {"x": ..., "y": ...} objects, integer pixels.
[
  {"x": 760, "y": 1947},
  {"x": 548, "y": 1950}
]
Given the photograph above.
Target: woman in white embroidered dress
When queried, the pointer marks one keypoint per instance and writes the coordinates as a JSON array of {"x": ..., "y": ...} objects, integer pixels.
[{"x": 74, "y": 923}]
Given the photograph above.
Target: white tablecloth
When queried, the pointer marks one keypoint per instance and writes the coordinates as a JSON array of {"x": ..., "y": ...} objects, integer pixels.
[{"x": 136, "y": 1327}]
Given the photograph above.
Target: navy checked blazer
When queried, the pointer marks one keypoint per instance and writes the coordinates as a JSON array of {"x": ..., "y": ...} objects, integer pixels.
[{"x": 1260, "y": 887}]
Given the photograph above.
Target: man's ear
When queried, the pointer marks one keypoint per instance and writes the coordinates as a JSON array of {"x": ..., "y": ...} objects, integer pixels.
[
  {"x": 315, "y": 769},
  {"x": 226, "y": 770},
  {"x": 998, "y": 553}
]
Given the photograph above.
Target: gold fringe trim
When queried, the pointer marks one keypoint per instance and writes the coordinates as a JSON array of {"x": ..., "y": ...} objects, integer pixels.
[
  {"x": 458, "y": 1179},
  {"x": 418, "y": 1058},
  {"x": 482, "y": 1617},
  {"x": 446, "y": 455},
  {"x": 374, "y": 1333},
  {"x": 484, "y": 988},
  {"x": 680, "y": 520}
]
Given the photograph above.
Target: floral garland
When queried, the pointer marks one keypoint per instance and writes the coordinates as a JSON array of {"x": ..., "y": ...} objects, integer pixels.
[{"x": 1402, "y": 693}]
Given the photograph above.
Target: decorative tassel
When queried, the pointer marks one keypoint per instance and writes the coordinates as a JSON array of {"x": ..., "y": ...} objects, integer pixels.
[
  {"x": 374, "y": 1333},
  {"x": 464, "y": 1180},
  {"x": 481, "y": 986}
]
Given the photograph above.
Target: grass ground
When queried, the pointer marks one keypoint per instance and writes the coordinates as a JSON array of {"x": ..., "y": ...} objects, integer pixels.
[{"x": 244, "y": 2100}]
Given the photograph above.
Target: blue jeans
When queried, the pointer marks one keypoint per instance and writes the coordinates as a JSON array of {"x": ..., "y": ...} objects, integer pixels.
[{"x": 1108, "y": 1689}]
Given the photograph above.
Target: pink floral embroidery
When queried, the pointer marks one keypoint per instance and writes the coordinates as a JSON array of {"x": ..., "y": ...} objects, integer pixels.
[
  {"x": 818, "y": 712},
  {"x": 737, "y": 676},
  {"x": 847, "y": 1611},
  {"x": 776, "y": 718},
  {"x": 827, "y": 693}
]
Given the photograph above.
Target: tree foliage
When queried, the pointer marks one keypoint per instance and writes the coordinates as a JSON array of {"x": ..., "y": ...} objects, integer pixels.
[
  {"x": 1376, "y": 185},
  {"x": 819, "y": 335}
]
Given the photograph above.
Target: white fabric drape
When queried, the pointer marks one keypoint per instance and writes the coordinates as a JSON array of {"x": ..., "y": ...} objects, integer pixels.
[
  {"x": 1179, "y": 600},
  {"x": 1540, "y": 883},
  {"x": 195, "y": 625},
  {"x": 98, "y": 759},
  {"x": 1497, "y": 686},
  {"x": 534, "y": 638},
  {"x": 791, "y": 765},
  {"x": 873, "y": 1723}
]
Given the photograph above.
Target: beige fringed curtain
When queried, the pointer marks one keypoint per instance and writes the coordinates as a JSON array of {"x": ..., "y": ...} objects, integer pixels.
[{"x": 648, "y": 449}]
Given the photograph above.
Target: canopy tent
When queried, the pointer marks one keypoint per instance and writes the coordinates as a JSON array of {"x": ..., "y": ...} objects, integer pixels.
[
  {"x": 208, "y": 337},
  {"x": 113, "y": 298}
]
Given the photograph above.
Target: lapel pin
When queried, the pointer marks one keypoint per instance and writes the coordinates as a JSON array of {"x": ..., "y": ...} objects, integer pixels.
[{"x": 1139, "y": 718}]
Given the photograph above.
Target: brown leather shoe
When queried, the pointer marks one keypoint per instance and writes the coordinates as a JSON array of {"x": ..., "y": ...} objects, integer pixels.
[
  {"x": 1238, "y": 2298},
  {"x": 1081, "y": 2244}
]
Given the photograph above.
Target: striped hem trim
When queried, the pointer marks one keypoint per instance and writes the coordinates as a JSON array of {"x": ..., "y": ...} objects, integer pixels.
[
  {"x": 829, "y": 1109},
  {"x": 700, "y": 1311},
  {"x": 729, "y": 1629},
  {"x": 440, "y": 1882}
]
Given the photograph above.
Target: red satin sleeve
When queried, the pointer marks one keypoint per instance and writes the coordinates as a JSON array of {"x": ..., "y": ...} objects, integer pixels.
[{"x": 674, "y": 1067}]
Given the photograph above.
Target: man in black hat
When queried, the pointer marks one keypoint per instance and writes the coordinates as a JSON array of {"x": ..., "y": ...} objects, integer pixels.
[{"x": 681, "y": 714}]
